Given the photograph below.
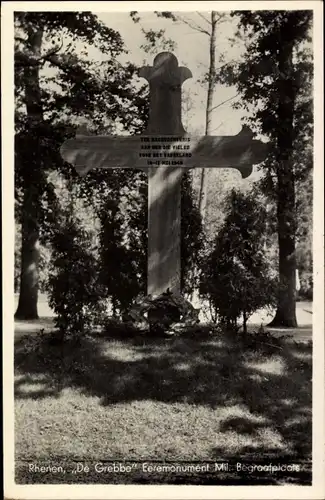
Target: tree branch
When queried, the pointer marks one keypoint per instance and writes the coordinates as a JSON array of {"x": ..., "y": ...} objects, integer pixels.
[
  {"x": 232, "y": 61},
  {"x": 224, "y": 102},
  {"x": 30, "y": 60},
  {"x": 220, "y": 17},
  {"x": 203, "y": 17},
  {"x": 53, "y": 51},
  {"x": 192, "y": 25},
  {"x": 220, "y": 125}
]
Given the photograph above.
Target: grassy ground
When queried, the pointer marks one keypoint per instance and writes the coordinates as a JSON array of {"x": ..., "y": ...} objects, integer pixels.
[{"x": 181, "y": 399}]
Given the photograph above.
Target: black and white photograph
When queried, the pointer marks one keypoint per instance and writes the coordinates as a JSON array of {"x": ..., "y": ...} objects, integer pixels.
[{"x": 163, "y": 248}]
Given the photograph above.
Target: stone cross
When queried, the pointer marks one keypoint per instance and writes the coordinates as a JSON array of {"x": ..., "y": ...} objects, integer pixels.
[{"x": 164, "y": 151}]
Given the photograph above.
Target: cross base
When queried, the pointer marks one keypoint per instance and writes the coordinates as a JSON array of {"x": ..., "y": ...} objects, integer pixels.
[{"x": 169, "y": 313}]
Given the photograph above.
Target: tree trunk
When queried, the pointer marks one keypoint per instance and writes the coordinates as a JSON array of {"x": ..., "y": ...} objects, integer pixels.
[
  {"x": 30, "y": 161},
  {"x": 286, "y": 216},
  {"x": 208, "y": 121},
  {"x": 286, "y": 308},
  {"x": 27, "y": 305},
  {"x": 244, "y": 322}
]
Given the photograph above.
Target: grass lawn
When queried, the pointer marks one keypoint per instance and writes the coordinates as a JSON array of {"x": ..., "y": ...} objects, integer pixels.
[{"x": 180, "y": 399}]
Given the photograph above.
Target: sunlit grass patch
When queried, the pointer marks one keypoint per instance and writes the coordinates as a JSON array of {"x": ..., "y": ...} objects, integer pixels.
[
  {"x": 241, "y": 411},
  {"x": 121, "y": 352},
  {"x": 303, "y": 356},
  {"x": 271, "y": 438},
  {"x": 273, "y": 366}
]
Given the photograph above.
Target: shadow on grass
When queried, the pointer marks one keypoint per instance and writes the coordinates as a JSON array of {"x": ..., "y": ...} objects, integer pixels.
[{"x": 272, "y": 384}]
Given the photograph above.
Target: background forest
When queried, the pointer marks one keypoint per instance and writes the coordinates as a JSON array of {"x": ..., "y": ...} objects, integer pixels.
[{"x": 82, "y": 241}]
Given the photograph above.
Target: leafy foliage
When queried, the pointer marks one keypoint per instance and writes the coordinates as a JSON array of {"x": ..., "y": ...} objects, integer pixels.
[
  {"x": 278, "y": 83},
  {"x": 123, "y": 230},
  {"x": 74, "y": 292},
  {"x": 236, "y": 278}
]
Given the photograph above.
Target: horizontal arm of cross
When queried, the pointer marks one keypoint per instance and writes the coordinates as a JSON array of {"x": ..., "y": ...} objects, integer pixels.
[{"x": 142, "y": 152}]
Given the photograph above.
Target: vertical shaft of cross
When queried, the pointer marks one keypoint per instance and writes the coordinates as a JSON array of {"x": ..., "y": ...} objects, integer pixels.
[
  {"x": 164, "y": 183},
  {"x": 164, "y": 230}
]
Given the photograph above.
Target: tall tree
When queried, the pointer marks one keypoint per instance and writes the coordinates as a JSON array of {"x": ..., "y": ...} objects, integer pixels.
[
  {"x": 57, "y": 84},
  {"x": 209, "y": 107},
  {"x": 27, "y": 306},
  {"x": 275, "y": 77}
]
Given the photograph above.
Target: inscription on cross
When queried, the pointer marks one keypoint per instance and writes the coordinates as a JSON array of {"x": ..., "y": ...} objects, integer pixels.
[{"x": 164, "y": 151}]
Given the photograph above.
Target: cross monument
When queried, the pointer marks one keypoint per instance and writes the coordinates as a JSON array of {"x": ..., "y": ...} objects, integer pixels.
[{"x": 164, "y": 151}]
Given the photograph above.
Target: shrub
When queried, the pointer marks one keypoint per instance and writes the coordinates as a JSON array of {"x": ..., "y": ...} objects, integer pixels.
[
  {"x": 122, "y": 253},
  {"x": 236, "y": 277},
  {"x": 74, "y": 293}
]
